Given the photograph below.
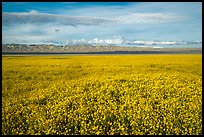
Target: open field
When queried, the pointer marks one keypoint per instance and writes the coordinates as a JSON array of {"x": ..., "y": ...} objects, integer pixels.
[{"x": 129, "y": 94}]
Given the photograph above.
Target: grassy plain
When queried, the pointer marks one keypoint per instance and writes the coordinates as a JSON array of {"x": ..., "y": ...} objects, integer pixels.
[{"x": 115, "y": 94}]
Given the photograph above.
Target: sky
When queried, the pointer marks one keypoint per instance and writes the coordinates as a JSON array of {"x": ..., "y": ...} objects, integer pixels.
[{"x": 61, "y": 21}]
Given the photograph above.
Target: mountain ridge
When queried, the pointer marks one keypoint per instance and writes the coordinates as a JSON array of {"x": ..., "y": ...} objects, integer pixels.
[{"x": 23, "y": 48}]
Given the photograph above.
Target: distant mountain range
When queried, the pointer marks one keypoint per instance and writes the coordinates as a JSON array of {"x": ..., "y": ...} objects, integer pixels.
[
  {"x": 114, "y": 41},
  {"x": 124, "y": 42},
  {"x": 89, "y": 49}
]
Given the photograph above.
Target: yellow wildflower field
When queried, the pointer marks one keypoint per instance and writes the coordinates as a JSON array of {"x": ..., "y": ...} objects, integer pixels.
[{"x": 102, "y": 95}]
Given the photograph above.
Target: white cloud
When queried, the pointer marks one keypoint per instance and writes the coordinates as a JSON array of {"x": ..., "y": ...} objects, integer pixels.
[
  {"x": 34, "y": 17},
  {"x": 33, "y": 11},
  {"x": 148, "y": 18}
]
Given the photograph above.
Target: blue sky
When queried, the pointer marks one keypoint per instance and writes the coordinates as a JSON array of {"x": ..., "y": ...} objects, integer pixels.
[{"x": 39, "y": 21}]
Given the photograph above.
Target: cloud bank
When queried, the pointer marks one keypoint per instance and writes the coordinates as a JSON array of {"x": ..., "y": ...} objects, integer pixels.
[
  {"x": 36, "y": 18},
  {"x": 44, "y": 18}
]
